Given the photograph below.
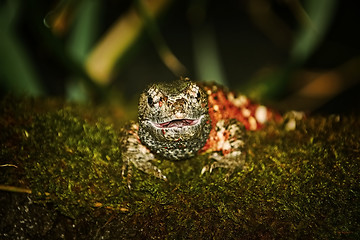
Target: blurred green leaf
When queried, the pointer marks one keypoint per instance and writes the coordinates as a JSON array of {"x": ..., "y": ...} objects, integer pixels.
[
  {"x": 81, "y": 39},
  {"x": 207, "y": 58},
  {"x": 316, "y": 19},
  {"x": 85, "y": 29},
  {"x": 113, "y": 47},
  {"x": 16, "y": 71},
  {"x": 320, "y": 14}
]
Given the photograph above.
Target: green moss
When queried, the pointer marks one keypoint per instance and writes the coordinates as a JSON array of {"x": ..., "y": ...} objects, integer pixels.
[
  {"x": 73, "y": 162},
  {"x": 298, "y": 184}
]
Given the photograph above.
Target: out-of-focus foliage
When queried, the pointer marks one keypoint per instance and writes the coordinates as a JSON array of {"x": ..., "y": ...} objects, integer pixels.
[
  {"x": 17, "y": 72},
  {"x": 81, "y": 49}
]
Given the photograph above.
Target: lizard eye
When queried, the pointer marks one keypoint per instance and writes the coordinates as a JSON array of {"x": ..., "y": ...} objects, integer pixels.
[
  {"x": 198, "y": 95},
  {"x": 150, "y": 101}
]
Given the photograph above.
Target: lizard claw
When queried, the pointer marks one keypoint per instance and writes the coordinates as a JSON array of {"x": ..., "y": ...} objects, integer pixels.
[
  {"x": 157, "y": 173},
  {"x": 205, "y": 169},
  {"x": 126, "y": 172},
  {"x": 229, "y": 162},
  {"x": 209, "y": 168}
]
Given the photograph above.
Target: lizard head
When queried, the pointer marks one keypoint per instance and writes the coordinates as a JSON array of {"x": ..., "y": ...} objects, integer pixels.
[{"x": 174, "y": 119}]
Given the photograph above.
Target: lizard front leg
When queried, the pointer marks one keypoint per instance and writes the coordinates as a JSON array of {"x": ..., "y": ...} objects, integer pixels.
[
  {"x": 226, "y": 146},
  {"x": 134, "y": 152}
]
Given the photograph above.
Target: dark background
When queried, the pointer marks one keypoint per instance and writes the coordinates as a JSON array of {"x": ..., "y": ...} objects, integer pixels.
[{"x": 244, "y": 50}]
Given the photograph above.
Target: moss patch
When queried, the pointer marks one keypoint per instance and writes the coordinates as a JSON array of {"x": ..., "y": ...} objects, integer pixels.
[{"x": 298, "y": 184}]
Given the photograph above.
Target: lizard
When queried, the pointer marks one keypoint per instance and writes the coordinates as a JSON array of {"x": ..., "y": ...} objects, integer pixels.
[{"x": 180, "y": 119}]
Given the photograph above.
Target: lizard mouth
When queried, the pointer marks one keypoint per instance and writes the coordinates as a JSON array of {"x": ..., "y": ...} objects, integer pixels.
[{"x": 178, "y": 123}]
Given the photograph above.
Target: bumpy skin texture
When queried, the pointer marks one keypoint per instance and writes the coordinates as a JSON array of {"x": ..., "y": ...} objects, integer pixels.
[
  {"x": 174, "y": 120},
  {"x": 181, "y": 119}
]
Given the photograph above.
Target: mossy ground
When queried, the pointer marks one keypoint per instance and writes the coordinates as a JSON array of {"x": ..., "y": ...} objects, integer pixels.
[{"x": 298, "y": 184}]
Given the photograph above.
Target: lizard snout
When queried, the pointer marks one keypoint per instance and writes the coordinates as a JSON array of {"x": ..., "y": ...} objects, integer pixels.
[{"x": 179, "y": 108}]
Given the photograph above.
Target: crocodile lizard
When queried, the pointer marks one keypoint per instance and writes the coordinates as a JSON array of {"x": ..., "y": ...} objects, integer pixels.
[{"x": 181, "y": 119}]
